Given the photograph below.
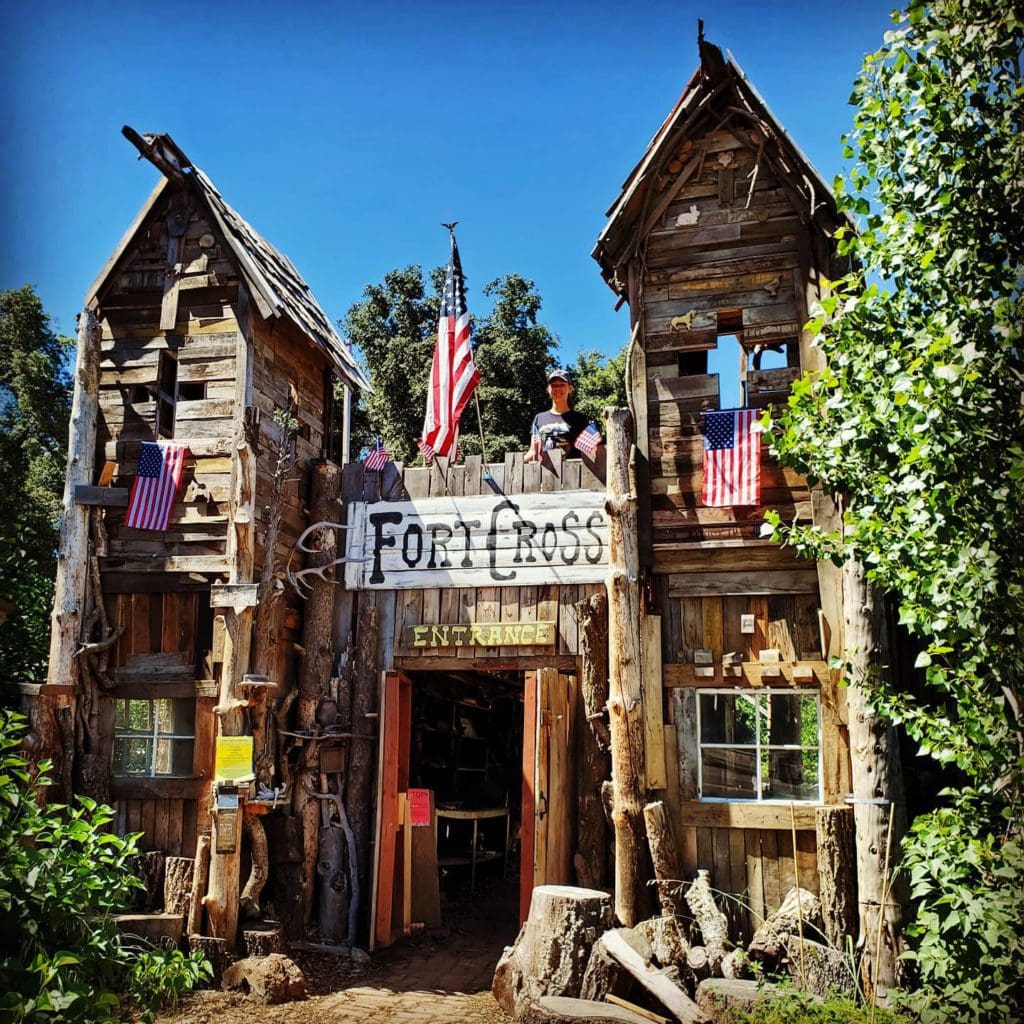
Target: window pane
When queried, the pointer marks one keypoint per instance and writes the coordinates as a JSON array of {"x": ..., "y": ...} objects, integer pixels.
[
  {"x": 728, "y": 773},
  {"x": 173, "y": 757},
  {"x": 134, "y": 716},
  {"x": 792, "y": 775},
  {"x": 176, "y": 716},
  {"x": 727, "y": 718},
  {"x": 132, "y": 755}
]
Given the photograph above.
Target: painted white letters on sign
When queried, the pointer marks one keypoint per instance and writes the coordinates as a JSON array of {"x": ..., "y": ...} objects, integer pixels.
[{"x": 494, "y": 540}]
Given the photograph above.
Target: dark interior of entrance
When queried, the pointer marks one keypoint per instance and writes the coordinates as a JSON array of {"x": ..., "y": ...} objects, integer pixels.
[{"x": 466, "y": 748}]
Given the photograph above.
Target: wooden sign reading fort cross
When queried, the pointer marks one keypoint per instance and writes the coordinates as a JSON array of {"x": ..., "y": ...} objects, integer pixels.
[{"x": 479, "y": 541}]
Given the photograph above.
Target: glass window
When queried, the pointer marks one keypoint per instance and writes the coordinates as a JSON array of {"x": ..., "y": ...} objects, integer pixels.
[
  {"x": 759, "y": 745},
  {"x": 154, "y": 737}
]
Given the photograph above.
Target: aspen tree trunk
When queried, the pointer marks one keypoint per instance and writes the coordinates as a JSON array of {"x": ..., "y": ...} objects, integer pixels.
[
  {"x": 315, "y": 674},
  {"x": 48, "y": 737},
  {"x": 878, "y": 798},
  {"x": 625, "y": 701}
]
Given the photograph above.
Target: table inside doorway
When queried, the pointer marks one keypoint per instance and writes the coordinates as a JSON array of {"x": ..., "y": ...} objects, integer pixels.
[{"x": 475, "y": 816}]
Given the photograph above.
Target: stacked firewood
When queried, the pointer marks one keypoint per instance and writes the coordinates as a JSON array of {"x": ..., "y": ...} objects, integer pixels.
[{"x": 570, "y": 962}]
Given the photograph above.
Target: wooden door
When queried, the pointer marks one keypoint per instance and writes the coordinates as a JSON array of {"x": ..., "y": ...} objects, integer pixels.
[
  {"x": 390, "y": 868},
  {"x": 548, "y": 835}
]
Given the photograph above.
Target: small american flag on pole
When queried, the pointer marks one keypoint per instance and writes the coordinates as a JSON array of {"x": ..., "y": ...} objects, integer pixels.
[
  {"x": 377, "y": 458},
  {"x": 732, "y": 458},
  {"x": 161, "y": 467},
  {"x": 588, "y": 440},
  {"x": 453, "y": 376}
]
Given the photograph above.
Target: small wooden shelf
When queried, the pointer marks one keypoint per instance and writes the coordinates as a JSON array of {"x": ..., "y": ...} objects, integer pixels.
[{"x": 475, "y": 856}]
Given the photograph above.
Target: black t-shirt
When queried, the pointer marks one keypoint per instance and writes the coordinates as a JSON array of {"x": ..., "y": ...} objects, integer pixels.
[{"x": 558, "y": 430}]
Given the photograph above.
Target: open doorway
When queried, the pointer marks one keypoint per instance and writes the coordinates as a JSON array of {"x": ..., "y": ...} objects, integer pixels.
[{"x": 467, "y": 749}]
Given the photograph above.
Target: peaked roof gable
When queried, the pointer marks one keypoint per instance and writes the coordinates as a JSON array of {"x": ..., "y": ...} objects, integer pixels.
[
  {"x": 717, "y": 95},
  {"x": 277, "y": 288}
]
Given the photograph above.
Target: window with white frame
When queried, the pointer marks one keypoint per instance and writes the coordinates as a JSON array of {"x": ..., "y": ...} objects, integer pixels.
[
  {"x": 154, "y": 737},
  {"x": 759, "y": 744}
]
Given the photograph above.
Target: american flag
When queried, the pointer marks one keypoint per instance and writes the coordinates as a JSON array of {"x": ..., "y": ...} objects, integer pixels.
[
  {"x": 587, "y": 440},
  {"x": 377, "y": 458},
  {"x": 732, "y": 458},
  {"x": 161, "y": 467},
  {"x": 453, "y": 376}
]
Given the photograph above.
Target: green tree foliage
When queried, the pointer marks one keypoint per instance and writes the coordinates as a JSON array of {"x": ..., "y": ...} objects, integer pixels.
[
  {"x": 918, "y": 421},
  {"x": 62, "y": 876},
  {"x": 598, "y": 384},
  {"x": 35, "y": 401},
  {"x": 394, "y": 328}
]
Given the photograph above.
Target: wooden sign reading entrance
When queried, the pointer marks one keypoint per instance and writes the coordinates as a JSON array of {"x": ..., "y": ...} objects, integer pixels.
[
  {"x": 485, "y": 634},
  {"x": 478, "y": 541}
]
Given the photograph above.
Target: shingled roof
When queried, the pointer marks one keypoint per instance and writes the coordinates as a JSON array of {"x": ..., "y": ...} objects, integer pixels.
[
  {"x": 277, "y": 288},
  {"x": 717, "y": 95}
]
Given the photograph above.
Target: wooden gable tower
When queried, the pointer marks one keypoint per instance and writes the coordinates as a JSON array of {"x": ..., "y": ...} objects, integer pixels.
[
  {"x": 720, "y": 240},
  {"x": 197, "y": 332}
]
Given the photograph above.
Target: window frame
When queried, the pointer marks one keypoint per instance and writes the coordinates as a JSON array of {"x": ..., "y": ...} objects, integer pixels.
[
  {"x": 152, "y": 737},
  {"x": 765, "y": 693}
]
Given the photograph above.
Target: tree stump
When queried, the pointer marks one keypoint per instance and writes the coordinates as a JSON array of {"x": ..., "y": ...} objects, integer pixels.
[
  {"x": 215, "y": 950},
  {"x": 819, "y": 969},
  {"x": 553, "y": 947},
  {"x": 606, "y": 975},
  {"x": 261, "y": 938},
  {"x": 178, "y": 873}
]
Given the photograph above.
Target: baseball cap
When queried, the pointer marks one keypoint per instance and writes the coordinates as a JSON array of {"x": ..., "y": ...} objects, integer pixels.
[{"x": 559, "y": 374}]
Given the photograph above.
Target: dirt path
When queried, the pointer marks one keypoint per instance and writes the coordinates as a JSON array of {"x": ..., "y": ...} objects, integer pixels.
[{"x": 432, "y": 979}]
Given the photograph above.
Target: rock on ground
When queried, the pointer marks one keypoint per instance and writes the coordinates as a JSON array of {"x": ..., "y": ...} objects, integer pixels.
[{"x": 270, "y": 979}]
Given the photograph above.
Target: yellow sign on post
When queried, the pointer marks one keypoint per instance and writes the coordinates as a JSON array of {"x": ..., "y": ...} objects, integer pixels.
[{"x": 233, "y": 758}]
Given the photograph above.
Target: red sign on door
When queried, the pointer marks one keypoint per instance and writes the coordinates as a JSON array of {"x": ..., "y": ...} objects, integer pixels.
[{"x": 419, "y": 807}]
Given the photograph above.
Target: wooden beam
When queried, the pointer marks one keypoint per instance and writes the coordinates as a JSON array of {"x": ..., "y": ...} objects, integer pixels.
[
  {"x": 751, "y": 674},
  {"x": 654, "y": 711},
  {"x": 106, "y": 497},
  {"x": 749, "y": 815}
]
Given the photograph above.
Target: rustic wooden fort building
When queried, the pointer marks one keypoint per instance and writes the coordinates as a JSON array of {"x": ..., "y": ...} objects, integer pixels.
[{"x": 507, "y": 634}]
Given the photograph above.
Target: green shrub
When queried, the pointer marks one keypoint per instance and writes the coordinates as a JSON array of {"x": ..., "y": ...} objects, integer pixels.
[
  {"x": 62, "y": 877},
  {"x": 801, "y": 1008}
]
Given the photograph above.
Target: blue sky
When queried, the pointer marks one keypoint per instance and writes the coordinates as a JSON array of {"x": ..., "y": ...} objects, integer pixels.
[{"x": 346, "y": 133}]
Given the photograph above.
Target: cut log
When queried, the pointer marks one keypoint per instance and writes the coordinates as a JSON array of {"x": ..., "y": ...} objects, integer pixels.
[
  {"x": 737, "y": 964},
  {"x": 565, "y": 1010},
  {"x": 698, "y": 961},
  {"x": 178, "y": 872},
  {"x": 669, "y": 994},
  {"x": 604, "y": 975},
  {"x": 261, "y": 938},
  {"x": 717, "y": 996},
  {"x": 713, "y": 924},
  {"x": 668, "y": 943},
  {"x": 164, "y": 930},
  {"x": 800, "y": 913},
  {"x": 818, "y": 968},
  {"x": 215, "y": 951},
  {"x": 553, "y": 947},
  {"x": 200, "y": 874},
  {"x": 665, "y": 855},
  {"x": 149, "y": 869},
  {"x": 594, "y": 762},
  {"x": 837, "y": 873}
]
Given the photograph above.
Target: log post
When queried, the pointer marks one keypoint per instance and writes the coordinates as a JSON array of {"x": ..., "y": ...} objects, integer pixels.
[
  {"x": 594, "y": 764},
  {"x": 48, "y": 738},
  {"x": 879, "y": 809},
  {"x": 665, "y": 856},
  {"x": 315, "y": 673},
  {"x": 625, "y": 702},
  {"x": 362, "y": 752}
]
